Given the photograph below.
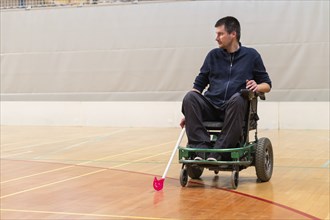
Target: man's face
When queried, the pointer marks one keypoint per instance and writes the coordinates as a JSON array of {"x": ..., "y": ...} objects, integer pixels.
[{"x": 223, "y": 38}]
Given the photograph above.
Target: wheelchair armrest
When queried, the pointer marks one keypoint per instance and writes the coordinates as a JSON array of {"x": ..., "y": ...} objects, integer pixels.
[
  {"x": 261, "y": 95},
  {"x": 248, "y": 94}
]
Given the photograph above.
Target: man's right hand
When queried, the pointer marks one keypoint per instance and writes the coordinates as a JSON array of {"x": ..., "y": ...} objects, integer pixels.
[
  {"x": 195, "y": 90},
  {"x": 183, "y": 122}
]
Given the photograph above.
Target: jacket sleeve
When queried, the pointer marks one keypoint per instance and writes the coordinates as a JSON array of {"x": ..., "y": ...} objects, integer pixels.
[
  {"x": 259, "y": 72},
  {"x": 202, "y": 79}
]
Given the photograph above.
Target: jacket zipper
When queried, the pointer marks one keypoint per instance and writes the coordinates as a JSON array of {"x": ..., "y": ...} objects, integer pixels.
[{"x": 231, "y": 64}]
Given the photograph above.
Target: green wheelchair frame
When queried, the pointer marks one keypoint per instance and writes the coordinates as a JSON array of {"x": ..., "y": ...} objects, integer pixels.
[{"x": 258, "y": 153}]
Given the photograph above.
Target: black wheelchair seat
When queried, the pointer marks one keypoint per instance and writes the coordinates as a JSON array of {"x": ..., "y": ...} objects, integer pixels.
[{"x": 213, "y": 125}]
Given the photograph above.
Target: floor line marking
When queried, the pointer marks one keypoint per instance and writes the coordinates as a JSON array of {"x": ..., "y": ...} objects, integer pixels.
[
  {"x": 53, "y": 183},
  {"x": 258, "y": 198},
  {"x": 85, "y": 214},
  {"x": 47, "y": 143},
  {"x": 54, "y": 142},
  {"x": 86, "y": 162},
  {"x": 14, "y": 143},
  {"x": 109, "y": 157},
  {"x": 36, "y": 174},
  {"x": 91, "y": 140},
  {"x": 123, "y": 164},
  {"x": 10, "y": 155},
  {"x": 326, "y": 164}
]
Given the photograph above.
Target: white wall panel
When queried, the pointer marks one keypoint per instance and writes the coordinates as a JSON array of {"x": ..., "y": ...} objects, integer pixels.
[
  {"x": 152, "y": 52},
  {"x": 306, "y": 115},
  {"x": 98, "y": 65},
  {"x": 273, "y": 115}
]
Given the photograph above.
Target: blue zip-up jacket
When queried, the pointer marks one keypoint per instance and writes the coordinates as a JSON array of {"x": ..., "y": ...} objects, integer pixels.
[{"x": 226, "y": 73}]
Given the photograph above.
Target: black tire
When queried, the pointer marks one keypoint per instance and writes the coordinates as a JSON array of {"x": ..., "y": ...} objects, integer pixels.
[
  {"x": 183, "y": 177},
  {"x": 194, "y": 172},
  {"x": 264, "y": 159},
  {"x": 216, "y": 172},
  {"x": 234, "y": 179}
]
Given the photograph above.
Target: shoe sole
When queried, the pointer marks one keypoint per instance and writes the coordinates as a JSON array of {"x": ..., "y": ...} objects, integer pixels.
[
  {"x": 198, "y": 158},
  {"x": 211, "y": 159}
]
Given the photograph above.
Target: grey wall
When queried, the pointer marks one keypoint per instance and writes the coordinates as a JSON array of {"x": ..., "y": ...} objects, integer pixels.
[{"x": 152, "y": 52}]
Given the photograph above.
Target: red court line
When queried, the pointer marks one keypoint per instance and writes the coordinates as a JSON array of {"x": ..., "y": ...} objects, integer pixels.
[
  {"x": 265, "y": 200},
  {"x": 276, "y": 204},
  {"x": 239, "y": 193},
  {"x": 218, "y": 188}
]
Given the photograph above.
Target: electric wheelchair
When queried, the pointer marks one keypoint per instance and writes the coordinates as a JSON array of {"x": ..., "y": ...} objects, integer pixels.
[{"x": 257, "y": 153}]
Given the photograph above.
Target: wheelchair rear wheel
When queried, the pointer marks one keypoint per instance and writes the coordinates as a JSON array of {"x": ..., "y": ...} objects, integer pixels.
[{"x": 264, "y": 159}]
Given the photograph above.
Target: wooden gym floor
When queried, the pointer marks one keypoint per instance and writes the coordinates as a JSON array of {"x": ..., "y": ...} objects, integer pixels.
[{"x": 107, "y": 173}]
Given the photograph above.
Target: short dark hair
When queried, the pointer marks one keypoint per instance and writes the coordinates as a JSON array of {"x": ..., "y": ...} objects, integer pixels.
[{"x": 231, "y": 24}]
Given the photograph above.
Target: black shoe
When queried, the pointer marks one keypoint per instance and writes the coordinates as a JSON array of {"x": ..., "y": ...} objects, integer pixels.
[
  {"x": 198, "y": 158},
  {"x": 226, "y": 157},
  {"x": 214, "y": 157},
  {"x": 199, "y": 155}
]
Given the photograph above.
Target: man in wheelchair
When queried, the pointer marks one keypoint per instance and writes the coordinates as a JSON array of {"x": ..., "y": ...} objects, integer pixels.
[{"x": 225, "y": 72}]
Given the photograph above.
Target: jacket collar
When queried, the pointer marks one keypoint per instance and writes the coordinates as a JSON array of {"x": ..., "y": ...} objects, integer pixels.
[{"x": 237, "y": 51}]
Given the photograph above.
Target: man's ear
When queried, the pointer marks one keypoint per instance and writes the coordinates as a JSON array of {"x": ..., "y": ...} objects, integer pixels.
[{"x": 234, "y": 34}]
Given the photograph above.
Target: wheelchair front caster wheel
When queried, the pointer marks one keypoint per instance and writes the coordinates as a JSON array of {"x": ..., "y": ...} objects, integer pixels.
[
  {"x": 234, "y": 179},
  {"x": 183, "y": 177},
  {"x": 194, "y": 172}
]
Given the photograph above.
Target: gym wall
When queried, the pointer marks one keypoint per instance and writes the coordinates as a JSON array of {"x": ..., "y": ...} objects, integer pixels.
[{"x": 131, "y": 64}]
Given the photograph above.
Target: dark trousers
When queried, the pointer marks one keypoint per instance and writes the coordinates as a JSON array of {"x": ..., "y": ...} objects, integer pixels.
[{"x": 198, "y": 109}]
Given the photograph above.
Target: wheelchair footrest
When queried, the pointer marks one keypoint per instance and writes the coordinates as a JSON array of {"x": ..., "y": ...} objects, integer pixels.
[{"x": 206, "y": 162}]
